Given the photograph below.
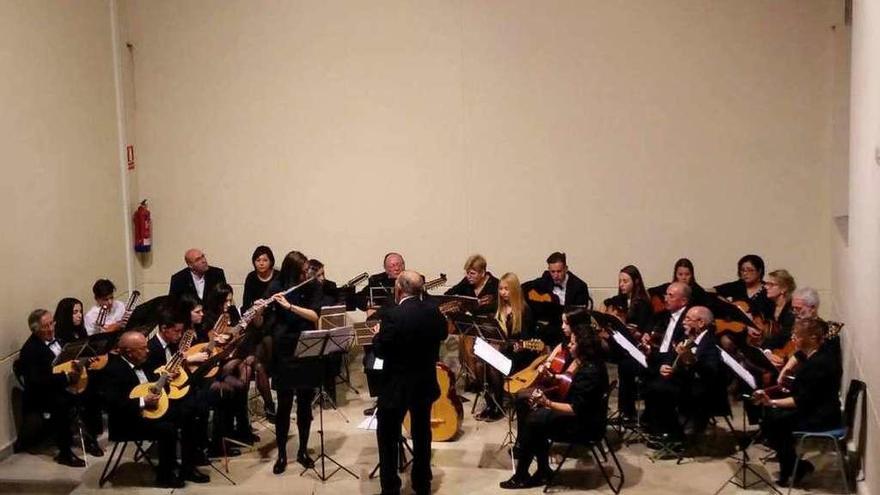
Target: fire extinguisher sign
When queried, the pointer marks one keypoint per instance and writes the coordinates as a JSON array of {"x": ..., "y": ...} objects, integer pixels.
[{"x": 129, "y": 156}]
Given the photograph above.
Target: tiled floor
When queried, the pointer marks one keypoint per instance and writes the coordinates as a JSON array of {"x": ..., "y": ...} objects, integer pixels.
[{"x": 471, "y": 464}]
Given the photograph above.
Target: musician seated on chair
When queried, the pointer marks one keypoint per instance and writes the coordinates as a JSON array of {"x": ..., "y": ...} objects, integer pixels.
[
  {"x": 560, "y": 287},
  {"x": 805, "y": 306},
  {"x": 126, "y": 371},
  {"x": 692, "y": 385},
  {"x": 198, "y": 278},
  {"x": 517, "y": 325},
  {"x": 105, "y": 297},
  {"x": 813, "y": 404},
  {"x": 378, "y": 294},
  {"x": 44, "y": 391},
  {"x": 477, "y": 282},
  {"x": 579, "y": 414}
]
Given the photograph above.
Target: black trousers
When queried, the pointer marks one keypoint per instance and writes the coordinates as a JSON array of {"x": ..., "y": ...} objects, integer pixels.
[
  {"x": 389, "y": 424},
  {"x": 628, "y": 370},
  {"x": 61, "y": 412},
  {"x": 778, "y": 424},
  {"x": 536, "y": 428},
  {"x": 163, "y": 431},
  {"x": 304, "y": 398},
  {"x": 662, "y": 397}
]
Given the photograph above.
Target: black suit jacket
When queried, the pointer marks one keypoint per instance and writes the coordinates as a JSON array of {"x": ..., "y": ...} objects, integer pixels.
[
  {"x": 182, "y": 282},
  {"x": 576, "y": 291},
  {"x": 124, "y": 414},
  {"x": 706, "y": 378},
  {"x": 656, "y": 359},
  {"x": 41, "y": 385},
  {"x": 409, "y": 341},
  {"x": 157, "y": 354}
]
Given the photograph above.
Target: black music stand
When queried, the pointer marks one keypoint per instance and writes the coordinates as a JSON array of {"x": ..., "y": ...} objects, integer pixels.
[
  {"x": 95, "y": 345},
  {"x": 489, "y": 330},
  {"x": 739, "y": 478},
  {"x": 318, "y": 344}
]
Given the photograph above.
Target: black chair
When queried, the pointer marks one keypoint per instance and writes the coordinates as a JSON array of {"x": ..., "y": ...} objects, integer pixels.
[
  {"x": 116, "y": 454},
  {"x": 597, "y": 447},
  {"x": 838, "y": 437}
]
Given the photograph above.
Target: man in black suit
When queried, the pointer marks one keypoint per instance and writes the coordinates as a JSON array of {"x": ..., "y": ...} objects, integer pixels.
[
  {"x": 408, "y": 340},
  {"x": 45, "y": 391},
  {"x": 563, "y": 288},
  {"x": 198, "y": 278},
  {"x": 692, "y": 384},
  {"x": 124, "y": 372},
  {"x": 666, "y": 332}
]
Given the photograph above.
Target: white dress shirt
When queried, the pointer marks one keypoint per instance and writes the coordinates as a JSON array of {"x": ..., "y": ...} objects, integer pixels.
[
  {"x": 560, "y": 290},
  {"x": 670, "y": 329},
  {"x": 117, "y": 311},
  {"x": 199, "y": 282}
]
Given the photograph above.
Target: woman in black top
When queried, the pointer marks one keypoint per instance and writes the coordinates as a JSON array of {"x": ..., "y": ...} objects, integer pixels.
[
  {"x": 256, "y": 287},
  {"x": 479, "y": 283},
  {"x": 515, "y": 319},
  {"x": 257, "y": 282},
  {"x": 779, "y": 317},
  {"x": 682, "y": 271},
  {"x": 294, "y": 313},
  {"x": 814, "y": 404},
  {"x": 581, "y": 414},
  {"x": 69, "y": 320},
  {"x": 749, "y": 287},
  {"x": 631, "y": 285}
]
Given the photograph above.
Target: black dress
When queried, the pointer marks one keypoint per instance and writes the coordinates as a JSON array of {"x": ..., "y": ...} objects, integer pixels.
[{"x": 289, "y": 372}]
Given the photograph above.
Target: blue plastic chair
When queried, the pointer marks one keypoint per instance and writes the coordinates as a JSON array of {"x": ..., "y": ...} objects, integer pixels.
[{"x": 837, "y": 437}]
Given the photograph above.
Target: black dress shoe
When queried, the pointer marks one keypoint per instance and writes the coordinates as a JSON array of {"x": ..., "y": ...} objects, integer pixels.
[
  {"x": 304, "y": 460},
  {"x": 194, "y": 475},
  {"x": 515, "y": 483},
  {"x": 201, "y": 460},
  {"x": 369, "y": 411},
  {"x": 280, "y": 465},
  {"x": 540, "y": 478},
  {"x": 93, "y": 449},
  {"x": 70, "y": 459},
  {"x": 169, "y": 481}
]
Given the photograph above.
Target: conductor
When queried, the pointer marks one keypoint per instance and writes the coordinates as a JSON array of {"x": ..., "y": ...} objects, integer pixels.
[{"x": 408, "y": 341}]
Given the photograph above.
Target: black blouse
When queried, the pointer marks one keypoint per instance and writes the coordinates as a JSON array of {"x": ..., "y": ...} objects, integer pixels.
[
  {"x": 464, "y": 288},
  {"x": 254, "y": 288},
  {"x": 737, "y": 291},
  {"x": 816, "y": 391},
  {"x": 589, "y": 387}
]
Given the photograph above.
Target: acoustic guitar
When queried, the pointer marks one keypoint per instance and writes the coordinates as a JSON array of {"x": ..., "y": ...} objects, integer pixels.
[{"x": 447, "y": 411}]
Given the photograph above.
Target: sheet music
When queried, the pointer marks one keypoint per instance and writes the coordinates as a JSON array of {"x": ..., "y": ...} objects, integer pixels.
[
  {"x": 369, "y": 423},
  {"x": 738, "y": 369},
  {"x": 489, "y": 354},
  {"x": 630, "y": 348}
]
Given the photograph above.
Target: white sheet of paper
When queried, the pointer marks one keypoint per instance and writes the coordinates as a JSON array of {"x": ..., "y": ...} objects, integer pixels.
[
  {"x": 738, "y": 369},
  {"x": 630, "y": 348},
  {"x": 378, "y": 364},
  {"x": 486, "y": 352},
  {"x": 369, "y": 423}
]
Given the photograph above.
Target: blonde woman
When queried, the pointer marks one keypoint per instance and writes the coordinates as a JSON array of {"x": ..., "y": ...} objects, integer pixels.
[{"x": 516, "y": 322}]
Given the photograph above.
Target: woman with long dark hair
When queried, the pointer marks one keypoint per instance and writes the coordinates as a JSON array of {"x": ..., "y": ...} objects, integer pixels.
[
  {"x": 580, "y": 413},
  {"x": 294, "y": 313},
  {"x": 631, "y": 285},
  {"x": 683, "y": 271},
  {"x": 69, "y": 320}
]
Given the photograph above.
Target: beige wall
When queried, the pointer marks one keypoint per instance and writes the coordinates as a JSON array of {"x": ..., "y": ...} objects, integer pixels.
[
  {"x": 862, "y": 266},
  {"x": 630, "y": 132},
  {"x": 60, "y": 192}
]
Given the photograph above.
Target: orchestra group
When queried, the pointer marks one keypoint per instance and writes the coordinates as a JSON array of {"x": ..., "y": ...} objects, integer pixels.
[{"x": 180, "y": 377}]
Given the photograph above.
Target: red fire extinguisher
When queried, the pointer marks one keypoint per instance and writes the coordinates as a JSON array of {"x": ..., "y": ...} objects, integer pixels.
[{"x": 143, "y": 229}]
